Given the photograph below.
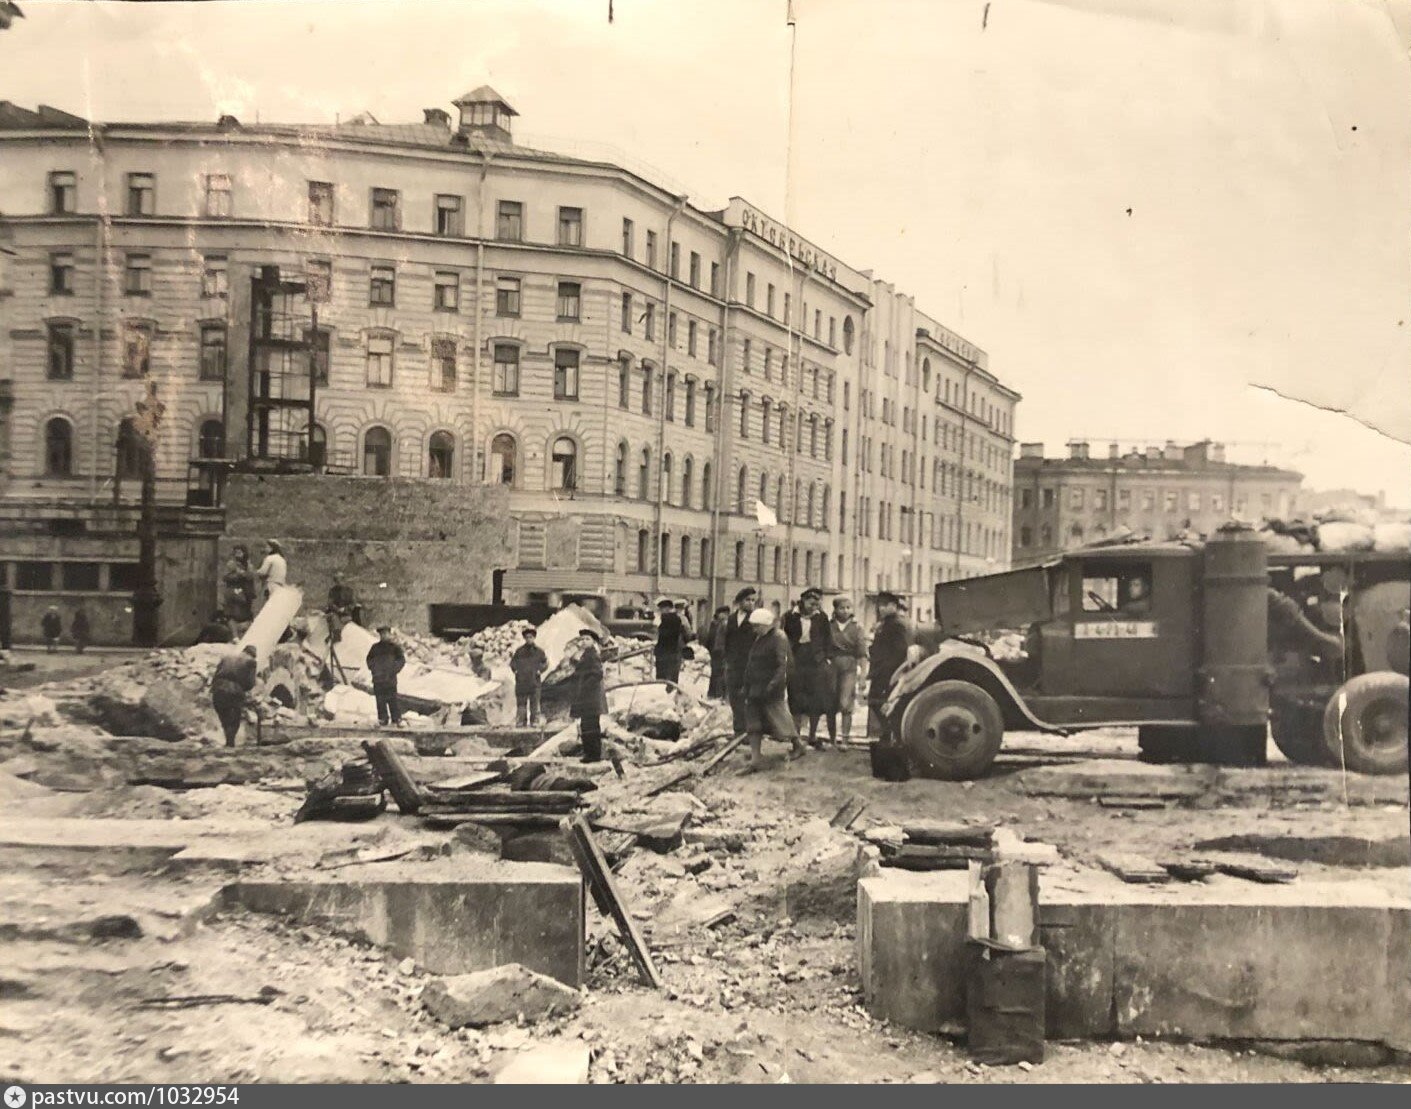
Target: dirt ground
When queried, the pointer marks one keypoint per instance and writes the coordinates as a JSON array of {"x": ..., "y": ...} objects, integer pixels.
[{"x": 98, "y": 949}]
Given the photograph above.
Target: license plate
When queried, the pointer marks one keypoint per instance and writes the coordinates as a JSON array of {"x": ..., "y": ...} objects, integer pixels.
[{"x": 1115, "y": 629}]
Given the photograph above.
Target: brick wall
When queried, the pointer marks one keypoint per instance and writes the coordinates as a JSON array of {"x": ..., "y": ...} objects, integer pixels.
[{"x": 403, "y": 544}]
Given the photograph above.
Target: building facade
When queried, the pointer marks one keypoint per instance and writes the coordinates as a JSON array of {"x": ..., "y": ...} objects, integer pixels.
[
  {"x": 1158, "y": 491},
  {"x": 640, "y": 372}
]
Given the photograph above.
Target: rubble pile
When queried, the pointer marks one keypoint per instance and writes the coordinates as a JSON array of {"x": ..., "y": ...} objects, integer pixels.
[{"x": 1336, "y": 532}]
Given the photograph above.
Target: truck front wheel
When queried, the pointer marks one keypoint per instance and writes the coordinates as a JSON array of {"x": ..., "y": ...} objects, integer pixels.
[
  {"x": 1364, "y": 725},
  {"x": 952, "y": 730}
]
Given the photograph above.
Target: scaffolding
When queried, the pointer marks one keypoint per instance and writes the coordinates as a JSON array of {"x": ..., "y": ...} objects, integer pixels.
[{"x": 283, "y": 373}]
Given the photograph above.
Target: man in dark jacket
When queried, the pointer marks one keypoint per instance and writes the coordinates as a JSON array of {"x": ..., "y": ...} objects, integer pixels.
[
  {"x": 343, "y": 607},
  {"x": 890, "y": 640},
  {"x": 767, "y": 686},
  {"x": 811, "y": 693},
  {"x": 230, "y": 685},
  {"x": 385, "y": 660},
  {"x": 528, "y": 664},
  {"x": 671, "y": 641},
  {"x": 715, "y": 644},
  {"x": 80, "y": 629},
  {"x": 739, "y": 638},
  {"x": 217, "y": 630},
  {"x": 590, "y": 701},
  {"x": 52, "y": 625}
]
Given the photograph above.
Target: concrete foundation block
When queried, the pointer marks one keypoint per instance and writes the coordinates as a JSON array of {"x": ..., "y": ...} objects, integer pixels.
[
  {"x": 1081, "y": 943},
  {"x": 911, "y": 948},
  {"x": 469, "y": 914}
]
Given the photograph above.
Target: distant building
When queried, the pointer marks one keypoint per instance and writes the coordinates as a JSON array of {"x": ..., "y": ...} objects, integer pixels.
[
  {"x": 1312, "y": 503},
  {"x": 1161, "y": 491}
]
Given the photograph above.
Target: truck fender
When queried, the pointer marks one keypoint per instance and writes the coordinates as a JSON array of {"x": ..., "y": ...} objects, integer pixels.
[{"x": 977, "y": 668}]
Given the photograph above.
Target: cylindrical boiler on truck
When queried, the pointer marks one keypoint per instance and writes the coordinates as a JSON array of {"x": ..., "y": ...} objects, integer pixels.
[{"x": 1234, "y": 678}]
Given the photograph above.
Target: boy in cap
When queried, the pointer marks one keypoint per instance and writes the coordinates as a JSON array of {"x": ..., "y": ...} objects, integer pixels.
[
  {"x": 890, "y": 640},
  {"x": 590, "y": 701},
  {"x": 230, "y": 685},
  {"x": 715, "y": 644},
  {"x": 671, "y": 641},
  {"x": 739, "y": 637},
  {"x": 528, "y": 664},
  {"x": 766, "y": 687},
  {"x": 385, "y": 660},
  {"x": 849, "y": 649}
]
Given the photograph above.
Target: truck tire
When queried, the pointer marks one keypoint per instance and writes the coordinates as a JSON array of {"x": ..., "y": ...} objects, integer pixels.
[
  {"x": 1364, "y": 725},
  {"x": 952, "y": 730},
  {"x": 1298, "y": 733}
]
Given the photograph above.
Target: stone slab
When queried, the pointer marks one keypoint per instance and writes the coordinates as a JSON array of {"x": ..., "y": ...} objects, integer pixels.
[
  {"x": 1216, "y": 960},
  {"x": 464, "y": 914}
]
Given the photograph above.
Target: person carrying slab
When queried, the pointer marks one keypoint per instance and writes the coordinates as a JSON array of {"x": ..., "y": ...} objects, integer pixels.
[{"x": 230, "y": 686}]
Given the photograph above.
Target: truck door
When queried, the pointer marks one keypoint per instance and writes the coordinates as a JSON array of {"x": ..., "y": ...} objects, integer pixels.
[{"x": 1130, "y": 629}]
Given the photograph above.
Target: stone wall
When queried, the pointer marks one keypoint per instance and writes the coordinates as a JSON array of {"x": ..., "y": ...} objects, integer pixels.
[{"x": 403, "y": 544}]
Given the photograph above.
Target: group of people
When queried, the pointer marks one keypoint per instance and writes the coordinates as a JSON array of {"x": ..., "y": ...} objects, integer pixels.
[
  {"x": 784, "y": 675},
  {"x": 51, "y": 624}
]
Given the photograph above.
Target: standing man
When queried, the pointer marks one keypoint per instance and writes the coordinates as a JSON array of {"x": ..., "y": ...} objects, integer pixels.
[
  {"x": 590, "y": 702},
  {"x": 528, "y": 664},
  {"x": 79, "y": 628},
  {"x": 217, "y": 631},
  {"x": 739, "y": 637},
  {"x": 52, "y": 625},
  {"x": 385, "y": 660},
  {"x": 767, "y": 686},
  {"x": 849, "y": 648},
  {"x": 343, "y": 607},
  {"x": 239, "y": 581},
  {"x": 715, "y": 644},
  {"x": 274, "y": 570},
  {"x": 810, "y": 685},
  {"x": 890, "y": 640},
  {"x": 671, "y": 640},
  {"x": 230, "y": 685}
]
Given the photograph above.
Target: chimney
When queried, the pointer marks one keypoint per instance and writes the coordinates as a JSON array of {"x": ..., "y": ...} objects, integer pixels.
[
  {"x": 1078, "y": 450},
  {"x": 1031, "y": 450},
  {"x": 1172, "y": 452},
  {"x": 1217, "y": 452},
  {"x": 1197, "y": 453},
  {"x": 1114, "y": 450},
  {"x": 436, "y": 117},
  {"x": 1153, "y": 454}
]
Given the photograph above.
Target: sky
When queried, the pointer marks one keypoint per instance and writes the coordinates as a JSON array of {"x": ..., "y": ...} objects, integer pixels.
[{"x": 1163, "y": 219}]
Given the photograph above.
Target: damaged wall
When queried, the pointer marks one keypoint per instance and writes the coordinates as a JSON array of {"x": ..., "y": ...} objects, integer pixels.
[{"x": 403, "y": 544}]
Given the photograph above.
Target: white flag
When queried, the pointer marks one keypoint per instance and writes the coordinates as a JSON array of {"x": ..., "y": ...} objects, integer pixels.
[{"x": 765, "y": 515}]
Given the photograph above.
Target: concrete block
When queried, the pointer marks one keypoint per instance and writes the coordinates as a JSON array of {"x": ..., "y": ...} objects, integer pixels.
[
  {"x": 468, "y": 914},
  {"x": 911, "y": 948},
  {"x": 1080, "y": 939},
  {"x": 550, "y": 1064}
]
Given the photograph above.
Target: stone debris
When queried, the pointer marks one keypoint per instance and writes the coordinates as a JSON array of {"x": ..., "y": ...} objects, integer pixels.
[{"x": 509, "y": 992}]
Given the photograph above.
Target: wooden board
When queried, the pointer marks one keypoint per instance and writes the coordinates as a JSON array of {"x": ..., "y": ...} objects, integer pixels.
[
  {"x": 481, "y": 780},
  {"x": 393, "y": 772},
  {"x": 1134, "y": 869},
  {"x": 948, "y": 832},
  {"x": 1253, "y": 871},
  {"x": 604, "y": 890},
  {"x": 846, "y": 816},
  {"x": 1189, "y": 870}
]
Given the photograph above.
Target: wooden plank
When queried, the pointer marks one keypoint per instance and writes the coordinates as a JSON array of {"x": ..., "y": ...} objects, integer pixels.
[
  {"x": 851, "y": 809},
  {"x": 506, "y": 799},
  {"x": 923, "y": 851},
  {"x": 441, "y": 821},
  {"x": 1134, "y": 869},
  {"x": 1188, "y": 870},
  {"x": 925, "y": 864},
  {"x": 948, "y": 832},
  {"x": 1132, "y": 803},
  {"x": 599, "y": 878},
  {"x": 667, "y": 783},
  {"x": 1253, "y": 871},
  {"x": 719, "y": 757},
  {"x": 393, "y": 772},
  {"x": 464, "y": 782}
]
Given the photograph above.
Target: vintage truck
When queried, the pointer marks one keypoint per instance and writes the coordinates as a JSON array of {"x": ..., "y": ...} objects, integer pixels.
[{"x": 1201, "y": 647}]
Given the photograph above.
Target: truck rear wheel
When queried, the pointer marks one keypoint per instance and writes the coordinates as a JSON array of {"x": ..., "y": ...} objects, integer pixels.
[
  {"x": 1364, "y": 725},
  {"x": 952, "y": 730}
]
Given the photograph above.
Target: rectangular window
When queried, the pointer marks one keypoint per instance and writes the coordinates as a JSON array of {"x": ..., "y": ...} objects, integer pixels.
[
  {"x": 61, "y": 271},
  {"x": 651, "y": 249},
  {"x": 1100, "y": 499},
  {"x": 694, "y": 272},
  {"x": 769, "y": 301},
  {"x": 788, "y": 312},
  {"x": 319, "y": 351},
  {"x": 715, "y": 279},
  {"x": 624, "y": 383},
  {"x": 79, "y": 577},
  {"x": 1148, "y": 500},
  {"x": 450, "y": 219},
  {"x": 1124, "y": 499},
  {"x": 565, "y": 374},
  {"x": 60, "y": 342},
  {"x": 379, "y": 361},
  {"x": 506, "y": 375},
  {"x": 447, "y": 296},
  {"x": 1192, "y": 502},
  {"x": 215, "y": 277},
  {"x": 690, "y": 417},
  {"x": 1026, "y": 498},
  {"x": 833, "y": 331},
  {"x": 1075, "y": 498},
  {"x": 691, "y": 338},
  {"x": 1170, "y": 500},
  {"x": 443, "y": 365},
  {"x": 63, "y": 192},
  {"x": 507, "y": 296},
  {"x": 671, "y": 330},
  {"x": 213, "y": 352},
  {"x": 627, "y": 313},
  {"x": 817, "y": 323},
  {"x": 386, "y": 214},
  {"x": 318, "y": 280},
  {"x": 137, "y": 350},
  {"x": 36, "y": 577},
  {"x": 137, "y": 277},
  {"x": 382, "y": 291},
  {"x": 675, "y": 261},
  {"x": 123, "y": 577},
  {"x": 745, "y": 356},
  {"x": 1217, "y": 502},
  {"x": 570, "y": 227},
  {"x": 1048, "y": 498},
  {"x": 749, "y": 289},
  {"x": 321, "y": 203},
  {"x": 713, "y": 347},
  {"x": 628, "y": 238},
  {"x": 509, "y": 221},
  {"x": 649, "y": 328},
  {"x": 569, "y": 301},
  {"x": 218, "y": 196},
  {"x": 141, "y": 194}
]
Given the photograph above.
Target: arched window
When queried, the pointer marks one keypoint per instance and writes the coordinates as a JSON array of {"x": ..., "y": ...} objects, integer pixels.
[
  {"x": 766, "y": 406},
  {"x": 706, "y": 491},
  {"x": 666, "y": 477},
  {"x": 317, "y": 447},
  {"x": 683, "y": 566},
  {"x": 739, "y": 560},
  {"x": 624, "y": 381},
  {"x": 665, "y": 563},
  {"x": 710, "y": 407},
  {"x": 827, "y": 505},
  {"x": 847, "y": 334},
  {"x": 210, "y": 440},
  {"x": 687, "y": 466},
  {"x": 563, "y": 461},
  {"x": 744, "y": 415},
  {"x": 808, "y": 567},
  {"x": 740, "y": 486},
  {"x": 781, "y": 506},
  {"x": 808, "y": 520},
  {"x": 778, "y": 563},
  {"x": 619, "y": 474},
  {"x": 644, "y": 474},
  {"x": 764, "y": 488},
  {"x": 925, "y": 375},
  {"x": 503, "y": 453},
  {"x": 669, "y": 398},
  {"x": 58, "y": 448},
  {"x": 377, "y": 452},
  {"x": 705, "y": 558},
  {"x": 129, "y": 462},
  {"x": 813, "y": 436},
  {"x": 646, "y": 388},
  {"x": 644, "y": 538},
  {"x": 441, "y": 456}
]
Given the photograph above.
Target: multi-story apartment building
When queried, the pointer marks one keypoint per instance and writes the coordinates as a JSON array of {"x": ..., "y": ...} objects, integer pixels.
[
  {"x": 638, "y": 370},
  {"x": 1160, "y": 491}
]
